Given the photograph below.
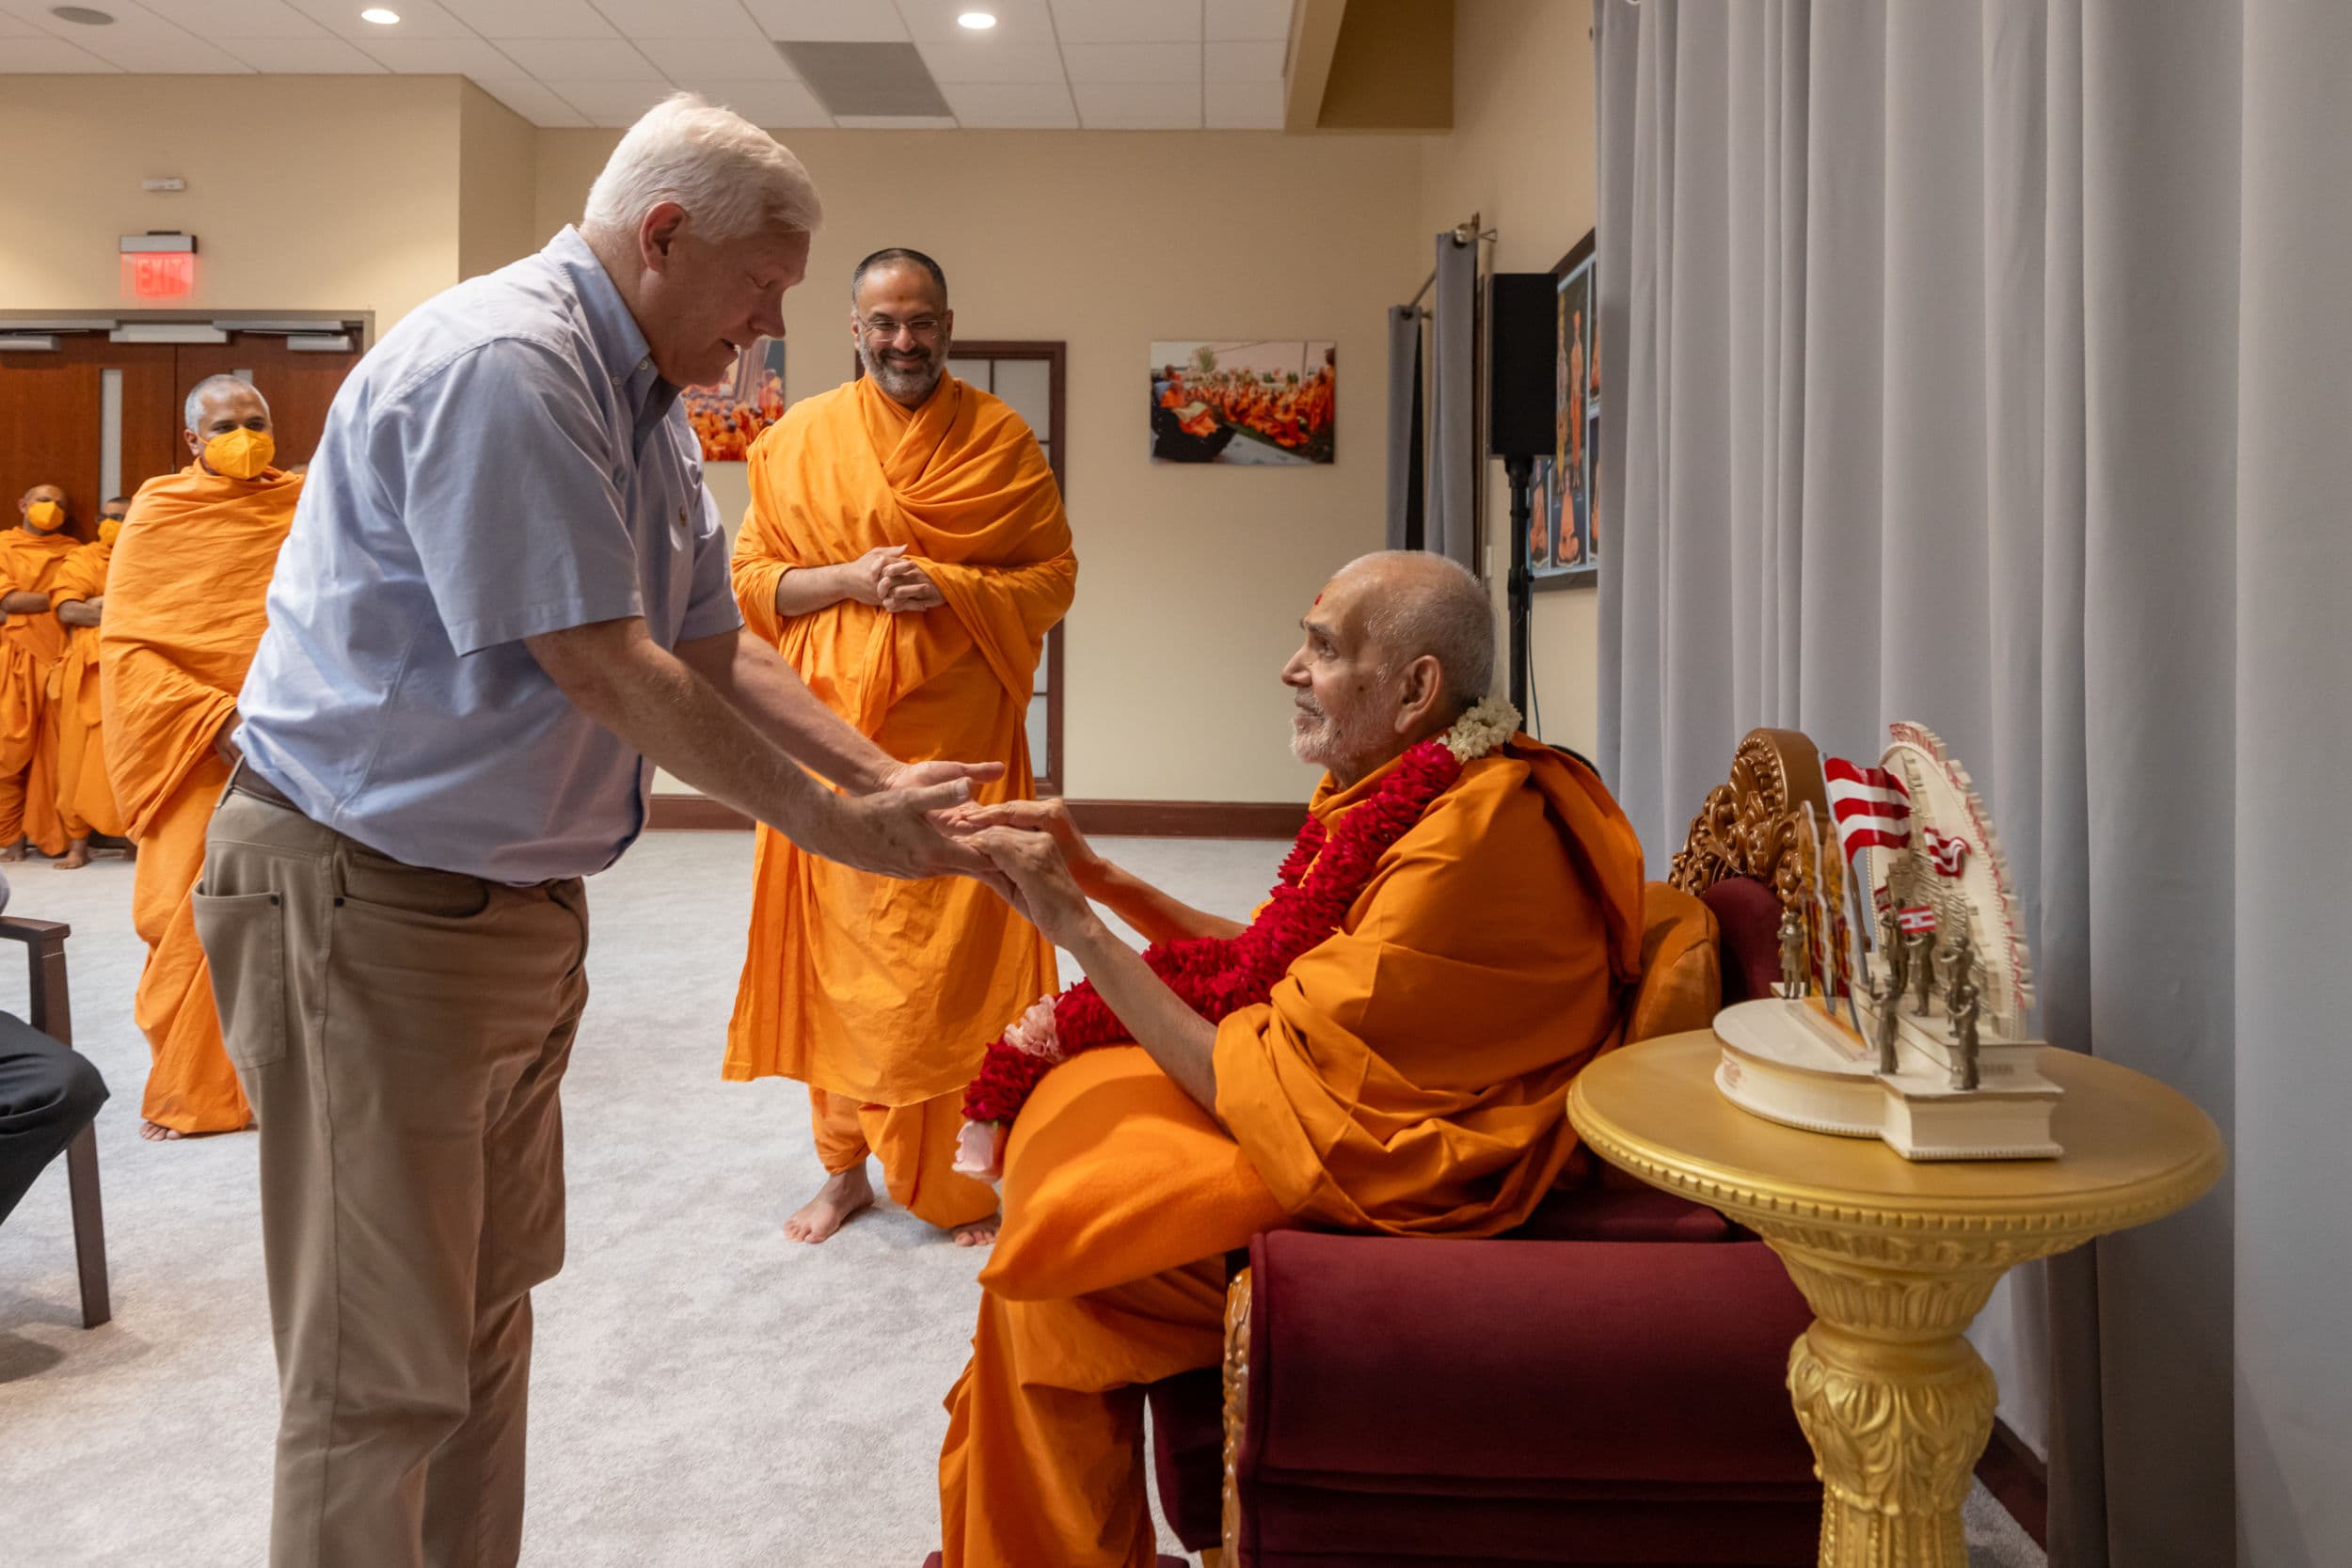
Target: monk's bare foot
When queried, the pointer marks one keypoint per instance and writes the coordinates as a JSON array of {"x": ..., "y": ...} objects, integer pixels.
[
  {"x": 156, "y": 1132},
  {"x": 979, "y": 1233},
  {"x": 14, "y": 851},
  {"x": 76, "y": 856},
  {"x": 836, "y": 1204}
]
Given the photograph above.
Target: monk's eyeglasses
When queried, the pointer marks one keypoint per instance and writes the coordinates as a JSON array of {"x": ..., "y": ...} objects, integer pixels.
[{"x": 883, "y": 327}]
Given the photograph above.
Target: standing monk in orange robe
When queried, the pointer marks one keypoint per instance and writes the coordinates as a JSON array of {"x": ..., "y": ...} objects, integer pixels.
[
  {"x": 31, "y": 555},
  {"x": 1407, "y": 1073},
  {"x": 183, "y": 616},
  {"x": 85, "y": 799},
  {"x": 907, "y": 551}
]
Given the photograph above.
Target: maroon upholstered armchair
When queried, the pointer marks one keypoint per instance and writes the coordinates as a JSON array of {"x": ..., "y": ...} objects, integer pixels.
[{"x": 1604, "y": 1386}]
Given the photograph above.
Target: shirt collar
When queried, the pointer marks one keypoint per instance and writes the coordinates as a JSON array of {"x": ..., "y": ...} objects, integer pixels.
[{"x": 625, "y": 359}]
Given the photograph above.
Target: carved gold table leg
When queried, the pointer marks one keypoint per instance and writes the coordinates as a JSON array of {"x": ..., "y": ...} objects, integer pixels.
[
  {"x": 1236, "y": 1408},
  {"x": 1897, "y": 1404}
]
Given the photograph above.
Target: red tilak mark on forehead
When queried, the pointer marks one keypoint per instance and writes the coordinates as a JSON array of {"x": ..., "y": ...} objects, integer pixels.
[{"x": 1318, "y": 604}]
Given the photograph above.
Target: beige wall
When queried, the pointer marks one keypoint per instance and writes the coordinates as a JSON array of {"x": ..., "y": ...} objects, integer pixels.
[
  {"x": 497, "y": 184},
  {"x": 1522, "y": 156},
  {"x": 304, "y": 192},
  {"x": 1191, "y": 579}
]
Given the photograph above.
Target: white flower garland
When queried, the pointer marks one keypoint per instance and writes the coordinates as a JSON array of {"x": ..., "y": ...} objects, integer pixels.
[{"x": 1489, "y": 723}]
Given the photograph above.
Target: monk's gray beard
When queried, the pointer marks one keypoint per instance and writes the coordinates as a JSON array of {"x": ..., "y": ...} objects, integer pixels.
[
  {"x": 910, "y": 386},
  {"x": 1321, "y": 740}
]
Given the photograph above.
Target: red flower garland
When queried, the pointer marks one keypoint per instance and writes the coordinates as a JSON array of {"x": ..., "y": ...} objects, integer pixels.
[{"x": 1323, "y": 876}]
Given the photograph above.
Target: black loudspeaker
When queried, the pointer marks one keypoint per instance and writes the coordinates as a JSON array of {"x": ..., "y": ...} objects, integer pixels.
[{"x": 1523, "y": 344}]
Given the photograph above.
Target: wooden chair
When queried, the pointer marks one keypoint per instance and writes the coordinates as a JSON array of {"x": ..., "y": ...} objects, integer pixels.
[{"x": 51, "y": 1011}]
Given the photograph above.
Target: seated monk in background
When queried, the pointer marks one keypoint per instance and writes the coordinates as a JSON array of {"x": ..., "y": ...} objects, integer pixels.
[{"x": 1395, "y": 1036}]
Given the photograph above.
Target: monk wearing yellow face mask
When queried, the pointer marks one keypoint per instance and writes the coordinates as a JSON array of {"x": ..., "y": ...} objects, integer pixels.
[
  {"x": 184, "y": 616},
  {"x": 907, "y": 552},
  {"x": 30, "y": 557},
  {"x": 86, "y": 800}
]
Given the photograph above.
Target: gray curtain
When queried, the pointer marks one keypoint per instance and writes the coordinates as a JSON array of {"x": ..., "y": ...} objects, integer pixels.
[
  {"x": 1983, "y": 365},
  {"x": 1450, "y": 519},
  {"x": 1405, "y": 469}
]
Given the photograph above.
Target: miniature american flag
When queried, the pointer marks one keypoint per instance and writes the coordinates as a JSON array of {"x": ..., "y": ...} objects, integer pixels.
[
  {"x": 1948, "y": 854},
  {"x": 1870, "y": 804},
  {"x": 1918, "y": 917}
]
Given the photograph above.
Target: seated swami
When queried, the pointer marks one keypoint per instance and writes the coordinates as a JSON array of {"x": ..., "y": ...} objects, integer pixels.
[{"x": 1387, "y": 1047}]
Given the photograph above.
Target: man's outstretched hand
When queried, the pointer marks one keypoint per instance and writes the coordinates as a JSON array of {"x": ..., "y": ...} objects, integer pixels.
[
  {"x": 1051, "y": 817},
  {"x": 1043, "y": 888}
]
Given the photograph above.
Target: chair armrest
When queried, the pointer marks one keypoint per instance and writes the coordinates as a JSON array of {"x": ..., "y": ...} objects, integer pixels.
[
  {"x": 34, "y": 933},
  {"x": 1520, "y": 1361}
]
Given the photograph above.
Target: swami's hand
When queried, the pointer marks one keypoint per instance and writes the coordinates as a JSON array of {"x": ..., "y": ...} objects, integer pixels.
[
  {"x": 1051, "y": 817},
  {"x": 897, "y": 832},
  {"x": 907, "y": 588},
  {"x": 1043, "y": 888},
  {"x": 863, "y": 580}
]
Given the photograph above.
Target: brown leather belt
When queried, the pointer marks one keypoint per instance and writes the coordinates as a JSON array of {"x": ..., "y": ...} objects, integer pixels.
[{"x": 246, "y": 782}]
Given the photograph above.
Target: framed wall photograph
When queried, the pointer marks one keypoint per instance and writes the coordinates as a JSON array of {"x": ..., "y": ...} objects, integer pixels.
[
  {"x": 728, "y": 414},
  {"x": 1262, "y": 404},
  {"x": 1565, "y": 535}
]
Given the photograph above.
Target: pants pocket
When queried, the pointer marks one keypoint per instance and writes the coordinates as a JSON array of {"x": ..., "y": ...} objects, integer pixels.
[{"x": 243, "y": 936}]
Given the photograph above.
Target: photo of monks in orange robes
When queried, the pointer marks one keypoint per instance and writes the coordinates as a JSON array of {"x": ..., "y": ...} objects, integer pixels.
[
  {"x": 1266, "y": 403},
  {"x": 184, "y": 613},
  {"x": 878, "y": 994},
  {"x": 728, "y": 416}
]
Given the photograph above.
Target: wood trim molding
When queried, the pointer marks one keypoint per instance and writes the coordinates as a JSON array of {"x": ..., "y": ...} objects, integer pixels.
[
  {"x": 1267, "y": 819},
  {"x": 2019, "y": 1482}
]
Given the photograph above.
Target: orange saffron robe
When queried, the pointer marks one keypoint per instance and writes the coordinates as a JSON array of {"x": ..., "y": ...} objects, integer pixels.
[
  {"x": 876, "y": 992},
  {"x": 30, "y": 646},
  {"x": 85, "y": 799},
  {"x": 1409, "y": 1076},
  {"x": 184, "y": 613}
]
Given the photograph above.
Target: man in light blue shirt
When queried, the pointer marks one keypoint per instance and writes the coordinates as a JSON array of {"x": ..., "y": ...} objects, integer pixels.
[{"x": 505, "y": 598}]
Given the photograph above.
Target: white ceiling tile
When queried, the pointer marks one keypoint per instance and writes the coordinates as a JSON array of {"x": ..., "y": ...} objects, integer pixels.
[
  {"x": 777, "y": 105},
  {"x": 314, "y": 56},
  {"x": 1017, "y": 20},
  {"x": 418, "y": 19},
  {"x": 1100, "y": 63},
  {"x": 440, "y": 58},
  {"x": 164, "y": 52},
  {"x": 680, "y": 18},
  {"x": 530, "y": 19},
  {"x": 580, "y": 60},
  {"x": 611, "y": 102},
  {"x": 1127, "y": 20},
  {"x": 533, "y": 101},
  {"x": 17, "y": 27},
  {"x": 47, "y": 56},
  {"x": 895, "y": 123},
  {"x": 1001, "y": 104},
  {"x": 1249, "y": 19},
  {"x": 984, "y": 59},
  {"x": 1139, "y": 107},
  {"x": 682, "y": 60},
  {"x": 829, "y": 21},
  {"x": 1244, "y": 62},
  {"x": 236, "y": 19},
  {"x": 1244, "y": 105}
]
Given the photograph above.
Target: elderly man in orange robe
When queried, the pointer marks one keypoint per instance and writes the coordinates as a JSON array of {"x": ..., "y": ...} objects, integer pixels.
[
  {"x": 1454, "y": 940},
  {"x": 85, "y": 799},
  {"x": 907, "y": 551},
  {"x": 184, "y": 616},
  {"x": 31, "y": 555}
]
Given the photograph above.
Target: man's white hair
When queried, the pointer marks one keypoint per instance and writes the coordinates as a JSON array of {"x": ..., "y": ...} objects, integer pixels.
[
  {"x": 192, "y": 409},
  {"x": 1437, "y": 605},
  {"x": 733, "y": 178}
]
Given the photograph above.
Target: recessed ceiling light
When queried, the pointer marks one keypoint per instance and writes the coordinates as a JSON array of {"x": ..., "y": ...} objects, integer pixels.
[
  {"x": 979, "y": 22},
  {"x": 379, "y": 15},
  {"x": 82, "y": 14}
]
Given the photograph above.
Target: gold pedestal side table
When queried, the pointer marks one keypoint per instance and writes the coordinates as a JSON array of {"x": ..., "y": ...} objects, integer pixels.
[{"x": 1896, "y": 1260}]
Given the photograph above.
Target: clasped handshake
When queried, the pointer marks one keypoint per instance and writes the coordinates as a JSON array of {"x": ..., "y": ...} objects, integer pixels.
[{"x": 1029, "y": 851}]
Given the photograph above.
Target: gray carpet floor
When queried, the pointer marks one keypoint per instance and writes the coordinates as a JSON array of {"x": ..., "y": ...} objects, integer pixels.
[{"x": 704, "y": 1392}]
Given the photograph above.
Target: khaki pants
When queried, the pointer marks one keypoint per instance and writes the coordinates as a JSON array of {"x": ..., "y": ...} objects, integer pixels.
[{"x": 401, "y": 1035}]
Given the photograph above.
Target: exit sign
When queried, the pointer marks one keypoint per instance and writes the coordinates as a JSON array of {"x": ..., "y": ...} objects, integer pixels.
[{"x": 159, "y": 274}]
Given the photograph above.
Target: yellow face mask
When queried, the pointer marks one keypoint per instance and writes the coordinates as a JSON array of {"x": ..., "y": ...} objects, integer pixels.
[
  {"x": 239, "y": 453},
  {"x": 109, "y": 530},
  {"x": 48, "y": 516}
]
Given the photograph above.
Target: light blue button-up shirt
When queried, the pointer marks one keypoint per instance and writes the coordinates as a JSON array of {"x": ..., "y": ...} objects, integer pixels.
[{"x": 505, "y": 462}]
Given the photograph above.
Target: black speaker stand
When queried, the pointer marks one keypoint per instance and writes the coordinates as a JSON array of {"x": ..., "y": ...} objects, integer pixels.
[{"x": 1521, "y": 586}]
